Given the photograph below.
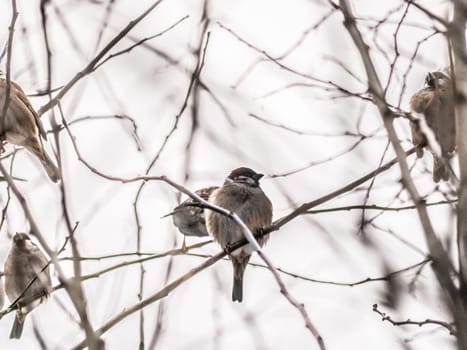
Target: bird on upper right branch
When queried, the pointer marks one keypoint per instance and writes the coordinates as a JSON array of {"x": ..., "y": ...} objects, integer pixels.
[{"x": 436, "y": 103}]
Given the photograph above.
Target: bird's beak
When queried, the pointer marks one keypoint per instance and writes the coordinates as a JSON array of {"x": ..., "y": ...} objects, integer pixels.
[
  {"x": 429, "y": 79},
  {"x": 258, "y": 176},
  {"x": 169, "y": 214}
]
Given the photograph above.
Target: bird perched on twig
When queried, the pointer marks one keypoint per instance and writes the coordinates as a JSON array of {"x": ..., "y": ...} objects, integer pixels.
[
  {"x": 436, "y": 103},
  {"x": 22, "y": 126},
  {"x": 241, "y": 194},
  {"x": 27, "y": 279},
  {"x": 189, "y": 217}
]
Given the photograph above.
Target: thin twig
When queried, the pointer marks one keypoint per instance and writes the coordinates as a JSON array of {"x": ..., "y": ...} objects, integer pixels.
[
  {"x": 442, "y": 266},
  {"x": 128, "y": 49},
  {"x": 91, "y": 65},
  {"x": 385, "y": 317},
  {"x": 378, "y": 207},
  {"x": 6, "y": 101}
]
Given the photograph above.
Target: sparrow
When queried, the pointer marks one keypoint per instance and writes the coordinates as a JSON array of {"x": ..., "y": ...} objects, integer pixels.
[
  {"x": 22, "y": 126},
  {"x": 25, "y": 263},
  {"x": 189, "y": 217},
  {"x": 241, "y": 194},
  {"x": 436, "y": 102}
]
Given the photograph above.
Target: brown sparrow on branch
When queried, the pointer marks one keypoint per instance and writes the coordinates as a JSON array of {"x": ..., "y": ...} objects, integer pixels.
[
  {"x": 189, "y": 216},
  {"x": 240, "y": 194},
  {"x": 21, "y": 125},
  {"x": 436, "y": 103},
  {"x": 27, "y": 277}
]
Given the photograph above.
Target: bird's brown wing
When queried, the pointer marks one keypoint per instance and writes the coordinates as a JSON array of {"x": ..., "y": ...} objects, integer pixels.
[
  {"x": 39, "y": 262},
  {"x": 206, "y": 192},
  {"x": 19, "y": 97},
  {"x": 11, "y": 288},
  {"x": 420, "y": 102},
  {"x": 446, "y": 123},
  {"x": 438, "y": 109},
  {"x": 257, "y": 214}
]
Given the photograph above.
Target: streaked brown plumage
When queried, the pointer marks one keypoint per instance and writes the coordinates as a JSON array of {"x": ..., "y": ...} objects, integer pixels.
[
  {"x": 24, "y": 263},
  {"x": 435, "y": 101},
  {"x": 22, "y": 126},
  {"x": 240, "y": 194},
  {"x": 189, "y": 218}
]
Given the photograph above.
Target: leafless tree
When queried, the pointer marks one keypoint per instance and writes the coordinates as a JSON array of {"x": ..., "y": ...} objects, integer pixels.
[{"x": 144, "y": 102}]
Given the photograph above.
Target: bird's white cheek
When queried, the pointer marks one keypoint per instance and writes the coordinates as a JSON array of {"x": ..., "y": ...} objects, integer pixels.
[{"x": 29, "y": 246}]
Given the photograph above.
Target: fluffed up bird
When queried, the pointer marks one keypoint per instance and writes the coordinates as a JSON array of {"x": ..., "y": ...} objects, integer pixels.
[
  {"x": 189, "y": 217},
  {"x": 22, "y": 126},
  {"x": 27, "y": 277},
  {"x": 241, "y": 194},
  {"x": 436, "y": 103}
]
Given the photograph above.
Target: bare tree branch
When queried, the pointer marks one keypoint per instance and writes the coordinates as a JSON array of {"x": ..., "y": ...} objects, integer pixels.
[
  {"x": 91, "y": 65},
  {"x": 441, "y": 266}
]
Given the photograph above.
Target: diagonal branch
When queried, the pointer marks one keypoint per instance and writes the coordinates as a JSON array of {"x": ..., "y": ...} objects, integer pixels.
[
  {"x": 457, "y": 38},
  {"x": 441, "y": 265},
  {"x": 92, "y": 64},
  {"x": 11, "y": 30}
]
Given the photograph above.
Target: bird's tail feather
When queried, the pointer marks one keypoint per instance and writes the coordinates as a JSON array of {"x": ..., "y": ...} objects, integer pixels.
[
  {"x": 237, "y": 290},
  {"x": 239, "y": 264},
  {"x": 440, "y": 170},
  {"x": 51, "y": 169},
  {"x": 17, "y": 329}
]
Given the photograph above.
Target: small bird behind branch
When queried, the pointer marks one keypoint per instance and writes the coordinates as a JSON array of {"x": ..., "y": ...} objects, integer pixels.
[
  {"x": 189, "y": 217},
  {"x": 27, "y": 277},
  {"x": 435, "y": 103},
  {"x": 240, "y": 194},
  {"x": 22, "y": 125}
]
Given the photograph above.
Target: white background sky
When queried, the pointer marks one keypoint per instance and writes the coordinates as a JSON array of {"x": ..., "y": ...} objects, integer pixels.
[{"x": 142, "y": 85}]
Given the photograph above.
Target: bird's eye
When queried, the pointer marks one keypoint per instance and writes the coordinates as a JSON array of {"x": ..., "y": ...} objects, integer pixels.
[{"x": 245, "y": 179}]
